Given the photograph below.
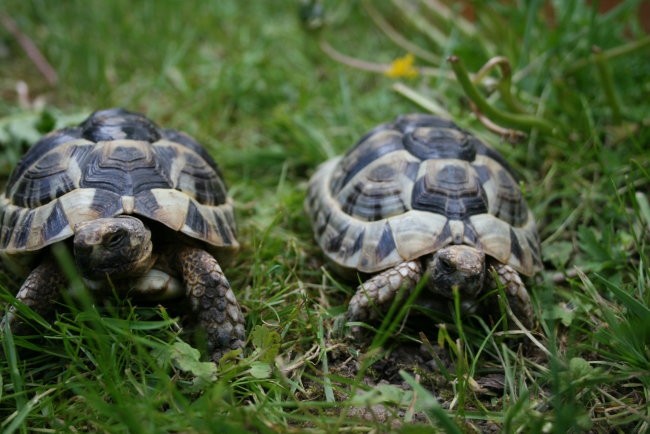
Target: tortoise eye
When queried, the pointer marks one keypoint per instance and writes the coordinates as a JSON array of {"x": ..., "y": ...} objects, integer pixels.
[
  {"x": 115, "y": 239},
  {"x": 446, "y": 266}
]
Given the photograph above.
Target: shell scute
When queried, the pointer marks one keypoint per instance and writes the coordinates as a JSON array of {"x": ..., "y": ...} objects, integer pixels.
[
  {"x": 382, "y": 190},
  {"x": 51, "y": 176},
  {"x": 411, "y": 187},
  {"x": 115, "y": 162},
  {"x": 450, "y": 188}
]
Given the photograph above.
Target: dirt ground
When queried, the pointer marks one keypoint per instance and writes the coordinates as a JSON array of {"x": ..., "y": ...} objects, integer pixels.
[{"x": 433, "y": 368}]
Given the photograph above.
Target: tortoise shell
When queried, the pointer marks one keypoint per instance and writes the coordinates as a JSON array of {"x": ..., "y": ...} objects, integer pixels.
[
  {"x": 115, "y": 162},
  {"x": 411, "y": 187}
]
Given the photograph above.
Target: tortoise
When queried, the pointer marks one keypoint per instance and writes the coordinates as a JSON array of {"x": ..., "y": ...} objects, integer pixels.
[
  {"x": 421, "y": 198},
  {"x": 144, "y": 210}
]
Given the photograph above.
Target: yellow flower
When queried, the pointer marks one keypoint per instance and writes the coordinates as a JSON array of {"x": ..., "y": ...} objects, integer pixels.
[{"x": 402, "y": 67}]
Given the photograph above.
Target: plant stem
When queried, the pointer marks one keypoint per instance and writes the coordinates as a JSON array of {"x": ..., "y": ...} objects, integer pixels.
[
  {"x": 505, "y": 84},
  {"x": 519, "y": 121}
]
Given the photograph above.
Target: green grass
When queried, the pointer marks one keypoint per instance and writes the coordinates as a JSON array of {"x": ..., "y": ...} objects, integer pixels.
[{"x": 256, "y": 88}]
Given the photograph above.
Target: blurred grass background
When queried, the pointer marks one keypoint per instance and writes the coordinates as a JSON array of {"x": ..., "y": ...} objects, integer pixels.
[{"x": 257, "y": 85}]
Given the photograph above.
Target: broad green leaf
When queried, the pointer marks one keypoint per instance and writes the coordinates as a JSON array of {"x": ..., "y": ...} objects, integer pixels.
[
  {"x": 260, "y": 369},
  {"x": 188, "y": 359},
  {"x": 266, "y": 343},
  {"x": 561, "y": 312}
]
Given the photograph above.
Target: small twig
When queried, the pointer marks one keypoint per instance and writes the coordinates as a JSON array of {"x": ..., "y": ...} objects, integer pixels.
[
  {"x": 380, "y": 68},
  {"x": 310, "y": 355},
  {"x": 624, "y": 405},
  {"x": 30, "y": 49},
  {"x": 510, "y": 135}
]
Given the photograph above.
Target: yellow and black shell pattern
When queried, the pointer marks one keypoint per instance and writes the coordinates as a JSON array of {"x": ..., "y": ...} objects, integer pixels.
[
  {"x": 413, "y": 186},
  {"x": 115, "y": 162}
]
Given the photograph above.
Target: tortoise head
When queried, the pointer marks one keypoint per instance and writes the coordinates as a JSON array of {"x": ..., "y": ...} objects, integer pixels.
[
  {"x": 457, "y": 266},
  {"x": 115, "y": 247}
]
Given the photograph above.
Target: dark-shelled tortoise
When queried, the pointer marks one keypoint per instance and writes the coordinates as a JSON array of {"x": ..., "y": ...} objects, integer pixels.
[
  {"x": 143, "y": 209},
  {"x": 421, "y": 197}
]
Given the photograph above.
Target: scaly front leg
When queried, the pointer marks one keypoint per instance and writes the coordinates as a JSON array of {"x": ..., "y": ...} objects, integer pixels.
[
  {"x": 374, "y": 296},
  {"x": 516, "y": 294},
  {"x": 212, "y": 301},
  {"x": 40, "y": 292}
]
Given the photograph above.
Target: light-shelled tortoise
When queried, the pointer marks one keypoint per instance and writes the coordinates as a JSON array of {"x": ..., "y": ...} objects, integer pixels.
[
  {"x": 421, "y": 197},
  {"x": 143, "y": 209}
]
